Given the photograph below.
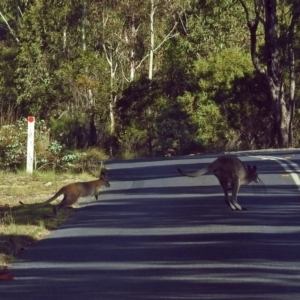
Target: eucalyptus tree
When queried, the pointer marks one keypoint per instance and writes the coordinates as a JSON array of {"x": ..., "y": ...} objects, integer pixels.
[
  {"x": 11, "y": 17},
  {"x": 210, "y": 26},
  {"x": 39, "y": 54},
  {"x": 109, "y": 43},
  {"x": 277, "y": 20},
  {"x": 211, "y": 40},
  {"x": 130, "y": 33},
  {"x": 156, "y": 24},
  {"x": 10, "y": 23},
  {"x": 166, "y": 27},
  {"x": 148, "y": 25}
]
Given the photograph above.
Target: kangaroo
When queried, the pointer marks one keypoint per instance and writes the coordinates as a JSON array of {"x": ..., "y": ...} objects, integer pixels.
[
  {"x": 73, "y": 191},
  {"x": 231, "y": 173}
]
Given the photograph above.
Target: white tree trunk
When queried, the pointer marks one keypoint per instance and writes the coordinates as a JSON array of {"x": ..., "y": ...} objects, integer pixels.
[
  {"x": 9, "y": 28},
  {"x": 83, "y": 37},
  {"x": 132, "y": 66},
  {"x": 152, "y": 38},
  {"x": 65, "y": 39}
]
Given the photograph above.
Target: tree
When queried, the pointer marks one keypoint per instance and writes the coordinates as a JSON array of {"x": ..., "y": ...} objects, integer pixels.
[
  {"x": 154, "y": 45},
  {"x": 7, "y": 16},
  {"x": 272, "y": 62}
]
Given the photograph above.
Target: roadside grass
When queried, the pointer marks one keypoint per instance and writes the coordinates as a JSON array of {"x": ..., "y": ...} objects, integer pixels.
[{"x": 21, "y": 226}]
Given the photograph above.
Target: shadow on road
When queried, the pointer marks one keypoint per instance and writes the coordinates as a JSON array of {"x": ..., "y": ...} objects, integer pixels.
[{"x": 169, "y": 242}]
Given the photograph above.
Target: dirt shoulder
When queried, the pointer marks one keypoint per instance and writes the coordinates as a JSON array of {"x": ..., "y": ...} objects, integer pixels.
[{"x": 21, "y": 226}]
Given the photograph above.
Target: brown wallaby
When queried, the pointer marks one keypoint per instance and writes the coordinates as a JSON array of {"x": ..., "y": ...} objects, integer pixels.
[
  {"x": 231, "y": 174},
  {"x": 73, "y": 191}
]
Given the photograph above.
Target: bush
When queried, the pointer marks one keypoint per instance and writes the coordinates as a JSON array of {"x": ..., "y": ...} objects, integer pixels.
[
  {"x": 13, "y": 143},
  {"x": 58, "y": 158},
  {"x": 71, "y": 131},
  {"x": 134, "y": 143},
  {"x": 48, "y": 155}
]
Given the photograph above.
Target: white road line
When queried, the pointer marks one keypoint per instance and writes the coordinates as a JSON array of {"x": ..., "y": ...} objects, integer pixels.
[{"x": 286, "y": 164}]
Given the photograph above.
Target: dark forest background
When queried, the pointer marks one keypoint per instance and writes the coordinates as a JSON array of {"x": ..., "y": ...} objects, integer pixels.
[{"x": 152, "y": 77}]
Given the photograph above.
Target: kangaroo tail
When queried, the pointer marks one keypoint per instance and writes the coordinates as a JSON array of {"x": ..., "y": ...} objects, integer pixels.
[
  {"x": 38, "y": 205},
  {"x": 194, "y": 174}
]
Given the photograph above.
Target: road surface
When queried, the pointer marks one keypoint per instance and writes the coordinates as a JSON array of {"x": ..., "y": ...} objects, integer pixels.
[{"x": 157, "y": 235}]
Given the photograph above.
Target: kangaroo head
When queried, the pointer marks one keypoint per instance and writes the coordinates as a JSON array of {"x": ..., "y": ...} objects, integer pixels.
[
  {"x": 104, "y": 178},
  {"x": 252, "y": 174}
]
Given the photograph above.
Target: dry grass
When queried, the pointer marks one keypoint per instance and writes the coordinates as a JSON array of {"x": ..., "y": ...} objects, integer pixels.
[{"x": 20, "y": 226}]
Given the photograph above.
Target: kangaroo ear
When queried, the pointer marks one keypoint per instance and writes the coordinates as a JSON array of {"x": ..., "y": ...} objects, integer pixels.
[
  {"x": 248, "y": 168},
  {"x": 254, "y": 168}
]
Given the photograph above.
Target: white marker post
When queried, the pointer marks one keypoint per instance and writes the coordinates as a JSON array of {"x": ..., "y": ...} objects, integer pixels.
[{"x": 30, "y": 145}]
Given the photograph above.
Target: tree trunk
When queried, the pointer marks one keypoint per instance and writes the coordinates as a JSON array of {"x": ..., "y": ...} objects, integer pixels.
[
  {"x": 83, "y": 37},
  {"x": 282, "y": 109},
  {"x": 151, "y": 53},
  {"x": 112, "y": 108},
  {"x": 291, "y": 60},
  {"x": 273, "y": 74},
  {"x": 292, "y": 93},
  {"x": 9, "y": 28},
  {"x": 92, "y": 142},
  {"x": 281, "y": 116},
  {"x": 113, "y": 137}
]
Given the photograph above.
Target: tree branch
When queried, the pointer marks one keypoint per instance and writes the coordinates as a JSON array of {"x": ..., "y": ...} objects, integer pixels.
[
  {"x": 9, "y": 28},
  {"x": 167, "y": 37},
  {"x": 252, "y": 26}
]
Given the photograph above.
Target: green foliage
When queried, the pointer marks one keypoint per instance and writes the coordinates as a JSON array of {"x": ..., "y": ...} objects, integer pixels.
[
  {"x": 60, "y": 64},
  {"x": 174, "y": 130},
  {"x": 58, "y": 158},
  {"x": 137, "y": 111},
  {"x": 246, "y": 107},
  {"x": 33, "y": 80},
  {"x": 206, "y": 116},
  {"x": 7, "y": 86},
  {"x": 227, "y": 96},
  {"x": 212, "y": 26},
  {"x": 71, "y": 131},
  {"x": 134, "y": 143},
  {"x": 13, "y": 143},
  {"x": 137, "y": 101},
  {"x": 13, "y": 148},
  {"x": 90, "y": 160},
  {"x": 150, "y": 124},
  {"x": 48, "y": 155},
  {"x": 220, "y": 70}
]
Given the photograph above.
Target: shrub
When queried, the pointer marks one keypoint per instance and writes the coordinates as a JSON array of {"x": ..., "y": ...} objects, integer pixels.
[
  {"x": 89, "y": 161},
  {"x": 48, "y": 154},
  {"x": 13, "y": 143}
]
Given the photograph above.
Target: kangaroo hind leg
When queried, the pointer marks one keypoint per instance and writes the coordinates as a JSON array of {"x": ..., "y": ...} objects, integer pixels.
[
  {"x": 67, "y": 201},
  {"x": 235, "y": 190},
  {"x": 224, "y": 184}
]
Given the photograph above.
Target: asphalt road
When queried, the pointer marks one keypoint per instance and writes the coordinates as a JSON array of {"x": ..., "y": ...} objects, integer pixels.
[{"x": 157, "y": 235}]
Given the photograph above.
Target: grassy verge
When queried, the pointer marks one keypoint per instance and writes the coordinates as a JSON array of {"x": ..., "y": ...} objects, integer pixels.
[{"x": 20, "y": 226}]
